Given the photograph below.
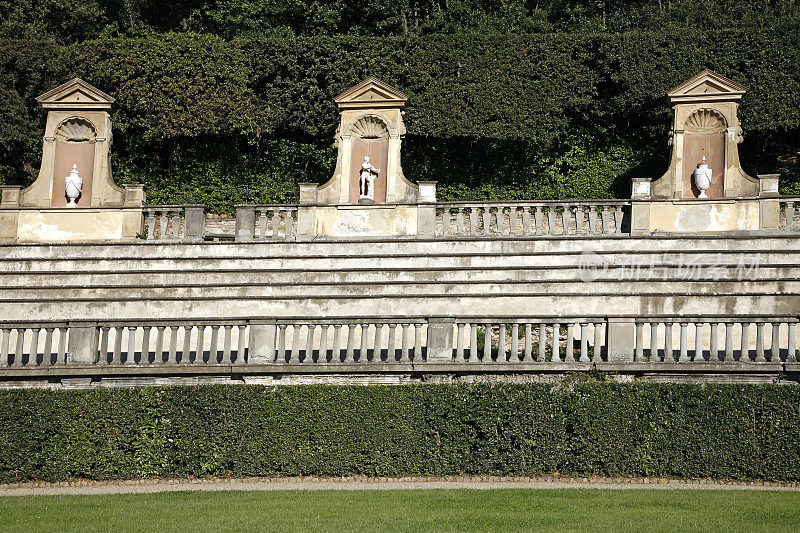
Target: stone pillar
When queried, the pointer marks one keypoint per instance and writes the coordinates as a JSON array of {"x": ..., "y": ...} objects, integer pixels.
[
  {"x": 344, "y": 183},
  {"x": 9, "y": 195},
  {"x": 621, "y": 340},
  {"x": 427, "y": 192},
  {"x": 308, "y": 193},
  {"x": 641, "y": 195},
  {"x": 769, "y": 207},
  {"x": 306, "y": 222},
  {"x": 394, "y": 167},
  {"x": 245, "y": 222},
  {"x": 440, "y": 340},
  {"x": 82, "y": 347},
  {"x": 195, "y": 222},
  {"x": 261, "y": 343}
]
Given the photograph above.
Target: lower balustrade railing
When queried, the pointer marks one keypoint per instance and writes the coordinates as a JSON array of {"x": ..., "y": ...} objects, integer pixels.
[{"x": 540, "y": 342}]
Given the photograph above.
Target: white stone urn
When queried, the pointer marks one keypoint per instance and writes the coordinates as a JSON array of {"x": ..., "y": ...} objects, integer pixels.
[
  {"x": 702, "y": 178},
  {"x": 73, "y": 184}
]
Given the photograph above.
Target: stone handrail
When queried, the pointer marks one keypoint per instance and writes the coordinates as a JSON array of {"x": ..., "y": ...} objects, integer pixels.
[
  {"x": 578, "y": 217},
  {"x": 789, "y": 213},
  {"x": 174, "y": 222},
  {"x": 538, "y": 341}
]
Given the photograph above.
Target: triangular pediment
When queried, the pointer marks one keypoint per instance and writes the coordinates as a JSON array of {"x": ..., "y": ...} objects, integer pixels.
[
  {"x": 371, "y": 91},
  {"x": 708, "y": 83},
  {"x": 75, "y": 93}
]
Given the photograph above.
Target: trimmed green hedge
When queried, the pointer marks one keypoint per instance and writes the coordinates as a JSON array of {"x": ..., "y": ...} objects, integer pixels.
[{"x": 721, "y": 431}]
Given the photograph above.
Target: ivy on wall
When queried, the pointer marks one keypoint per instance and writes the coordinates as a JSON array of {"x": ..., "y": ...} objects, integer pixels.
[{"x": 206, "y": 120}]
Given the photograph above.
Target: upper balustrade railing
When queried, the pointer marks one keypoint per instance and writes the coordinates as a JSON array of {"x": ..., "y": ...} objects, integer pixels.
[{"x": 278, "y": 222}]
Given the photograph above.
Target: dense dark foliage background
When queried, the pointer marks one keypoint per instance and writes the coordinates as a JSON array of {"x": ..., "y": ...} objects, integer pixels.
[
  {"x": 229, "y": 101},
  {"x": 578, "y": 428}
]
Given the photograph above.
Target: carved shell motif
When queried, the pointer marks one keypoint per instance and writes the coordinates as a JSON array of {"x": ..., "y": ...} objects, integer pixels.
[
  {"x": 705, "y": 121},
  {"x": 370, "y": 128},
  {"x": 76, "y": 130}
]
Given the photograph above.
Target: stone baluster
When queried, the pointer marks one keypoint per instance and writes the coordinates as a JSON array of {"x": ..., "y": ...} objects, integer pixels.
[
  {"x": 323, "y": 344},
  {"x": 33, "y": 347},
  {"x": 4, "y": 342},
  {"x": 487, "y": 344},
  {"x": 514, "y": 356},
  {"x": 569, "y": 355},
  {"x": 213, "y": 349},
  {"x": 566, "y": 219},
  {"x": 760, "y": 342},
  {"x": 551, "y": 220},
  {"x": 130, "y": 356},
  {"x": 418, "y": 341},
  {"x": 392, "y": 352},
  {"x": 378, "y": 344},
  {"x": 654, "y": 342},
  {"x": 526, "y": 220},
  {"x": 309, "y": 357},
  {"x": 363, "y": 347},
  {"x": 538, "y": 219},
  {"x": 556, "y": 353},
  {"x": 460, "y": 221},
  {"x": 791, "y": 351},
  {"x": 527, "y": 355},
  {"x": 116, "y": 356},
  {"x": 48, "y": 347},
  {"x": 186, "y": 351},
  {"x": 473, "y": 342},
  {"x": 289, "y": 224},
  {"x": 713, "y": 343},
  {"x": 19, "y": 347},
  {"x": 104, "y": 331},
  {"x": 729, "y": 342},
  {"x": 159, "y": 355},
  {"x": 500, "y": 221},
  {"x": 789, "y": 210},
  {"x": 336, "y": 351},
  {"x": 669, "y": 356},
  {"x": 501, "y": 345},
  {"x": 151, "y": 224},
  {"x": 618, "y": 216},
  {"x": 275, "y": 223},
  {"x": 473, "y": 221},
  {"x": 542, "y": 355},
  {"x": 744, "y": 355},
  {"x": 513, "y": 217},
  {"x": 200, "y": 350},
  {"x": 460, "y": 355},
  {"x": 683, "y": 354},
  {"x": 487, "y": 215},
  {"x": 698, "y": 343},
  {"x": 226, "y": 344},
  {"x": 145, "y": 358},
  {"x": 260, "y": 229},
  {"x": 351, "y": 342},
  {"x": 446, "y": 221},
  {"x": 240, "y": 345},
  {"x": 280, "y": 352},
  {"x": 163, "y": 221},
  {"x": 775, "y": 345},
  {"x": 638, "y": 351},
  {"x": 584, "y": 357},
  {"x": 172, "y": 353},
  {"x": 294, "y": 355},
  {"x": 404, "y": 342},
  {"x": 593, "y": 214},
  {"x": 177, "y": 218}
]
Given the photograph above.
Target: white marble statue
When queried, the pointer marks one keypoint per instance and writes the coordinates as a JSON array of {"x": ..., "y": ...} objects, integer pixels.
[
  {"x": 367, "y": 182},
  {"x": 702, "y": 178},
  {"x": 73, "y": 185}
]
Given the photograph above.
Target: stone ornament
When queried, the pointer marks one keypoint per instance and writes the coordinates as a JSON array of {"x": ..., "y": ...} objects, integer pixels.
[
  {"x": 368, "y": 175},
  {"x": 74, "y": 186},
  {"x": 702, "y": 178}
]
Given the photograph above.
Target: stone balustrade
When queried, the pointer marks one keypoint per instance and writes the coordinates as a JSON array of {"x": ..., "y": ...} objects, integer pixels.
[
  {"x": 790, "y": 214},
  {"x": 175, "y": 223},
  {"x": 266, "y": 222},
  {"x": 525, "y": 343},
  {"x": 473, "y": 219}
]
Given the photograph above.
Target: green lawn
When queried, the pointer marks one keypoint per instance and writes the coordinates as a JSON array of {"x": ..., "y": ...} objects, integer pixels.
[{"x": 421, "y": 510}]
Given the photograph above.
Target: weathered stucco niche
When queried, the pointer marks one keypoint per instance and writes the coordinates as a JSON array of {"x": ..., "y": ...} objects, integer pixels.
[
  {"x": 77, "y": 136},
  {"x": 705, "y": 138},
  {"x": 368, "y": 194}
]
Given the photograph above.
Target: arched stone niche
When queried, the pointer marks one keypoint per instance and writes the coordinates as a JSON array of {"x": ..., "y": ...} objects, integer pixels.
[
  {"x": 705, "y": 123},
  {"x": 78, "y": 132},
  {"x": 370, "y": 124}
]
